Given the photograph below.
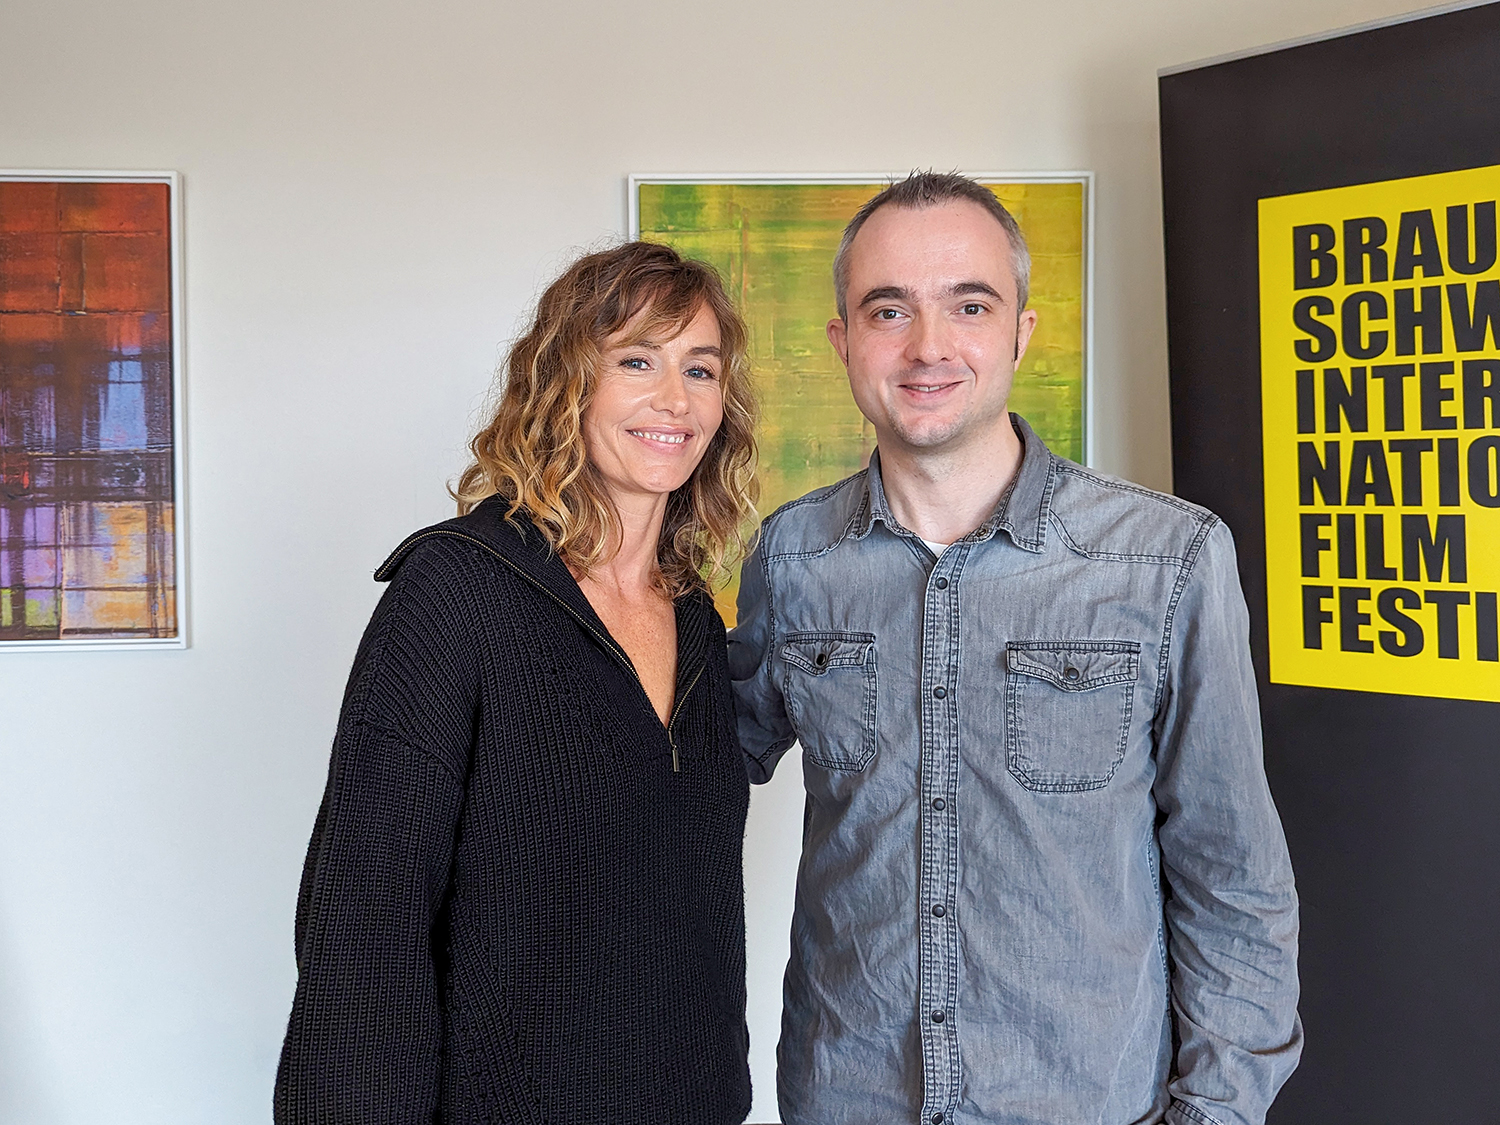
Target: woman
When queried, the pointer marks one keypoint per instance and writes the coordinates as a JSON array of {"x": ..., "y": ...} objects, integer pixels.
[{"x": 522, "y": 902}]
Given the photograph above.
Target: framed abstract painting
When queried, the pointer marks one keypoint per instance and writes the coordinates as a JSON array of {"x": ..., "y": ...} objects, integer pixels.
[
  {"x": 773, "y": 238},
  {"x": 91, "y": 450}
]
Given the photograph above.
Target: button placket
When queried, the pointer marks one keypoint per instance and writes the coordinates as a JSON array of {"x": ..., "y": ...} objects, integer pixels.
[{"x": 938, "y": 954}]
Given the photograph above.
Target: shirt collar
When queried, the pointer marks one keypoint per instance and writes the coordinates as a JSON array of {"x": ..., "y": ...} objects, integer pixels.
[{"x": 1022, "y": 510}]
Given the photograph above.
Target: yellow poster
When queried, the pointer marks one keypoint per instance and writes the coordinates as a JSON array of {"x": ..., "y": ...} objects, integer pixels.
[{"x": 1380, "y": 401}]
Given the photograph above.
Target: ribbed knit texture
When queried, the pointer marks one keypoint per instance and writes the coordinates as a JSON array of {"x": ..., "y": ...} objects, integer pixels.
[{"x": 513, "y": 909}]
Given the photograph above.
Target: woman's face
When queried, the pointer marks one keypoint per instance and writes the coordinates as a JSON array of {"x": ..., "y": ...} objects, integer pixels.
[{"x": 656, "y": 406}]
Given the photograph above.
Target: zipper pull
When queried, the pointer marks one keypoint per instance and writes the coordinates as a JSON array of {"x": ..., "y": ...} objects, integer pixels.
[{"x": 677, "y": 710}]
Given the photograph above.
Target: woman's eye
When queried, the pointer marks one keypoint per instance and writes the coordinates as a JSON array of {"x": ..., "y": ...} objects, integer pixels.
[
  {"x": 635, "y": 363},
  {"x": 701, "y": 373}
]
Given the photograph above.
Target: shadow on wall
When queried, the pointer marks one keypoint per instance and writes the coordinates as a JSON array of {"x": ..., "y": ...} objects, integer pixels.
[
  {"x": 1131, "y": 436},
  {"x": 21, "y": 1097}
]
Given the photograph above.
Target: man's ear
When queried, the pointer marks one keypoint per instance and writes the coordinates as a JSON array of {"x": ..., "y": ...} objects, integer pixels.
[
  {"x": 838, "y": 336},
  {"x": 1025, "y": 326}
]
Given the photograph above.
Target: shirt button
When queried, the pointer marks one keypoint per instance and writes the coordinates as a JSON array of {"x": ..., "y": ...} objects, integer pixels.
[
  {"x": 937, "y": 1119},
  {"x": 937, "y": 1017},
  {"x": 939, "y": 692},
  {"x": 941, "y": 584},
  {"x": 1071, "y": 675},
  {"x": 938, "y": 911},
  {"x": 939, "y": 804}
]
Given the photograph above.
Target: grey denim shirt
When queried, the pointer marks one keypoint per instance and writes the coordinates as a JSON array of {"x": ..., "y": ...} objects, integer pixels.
[{"x": 1042, "y": 878}]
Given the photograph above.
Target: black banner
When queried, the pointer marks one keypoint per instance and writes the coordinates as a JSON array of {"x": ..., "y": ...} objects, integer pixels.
[{"x": 1330, "y": 246}]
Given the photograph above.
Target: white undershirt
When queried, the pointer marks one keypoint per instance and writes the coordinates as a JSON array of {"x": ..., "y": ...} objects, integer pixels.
[{"x": 936, "y": 548}]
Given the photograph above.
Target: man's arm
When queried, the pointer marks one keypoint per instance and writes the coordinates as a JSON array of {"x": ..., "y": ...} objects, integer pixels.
[
  {"x": 1231, "y": 910},
  {"x": 765, "y": 730}
]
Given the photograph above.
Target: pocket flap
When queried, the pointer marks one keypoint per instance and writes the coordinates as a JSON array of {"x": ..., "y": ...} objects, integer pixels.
[
  {"x": 818, "y": 652},
  {"x": 1075, "y": 665}
]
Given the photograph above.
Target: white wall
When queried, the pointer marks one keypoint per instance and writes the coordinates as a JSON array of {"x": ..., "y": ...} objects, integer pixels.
[{"x": 374, "y": 191}]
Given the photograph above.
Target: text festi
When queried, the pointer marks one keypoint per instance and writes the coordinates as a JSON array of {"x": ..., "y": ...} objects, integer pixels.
[{"x": 1380, "y": 348}]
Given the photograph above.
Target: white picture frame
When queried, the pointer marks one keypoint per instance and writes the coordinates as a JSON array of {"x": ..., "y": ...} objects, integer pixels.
[{"x": 180, "y": 639}]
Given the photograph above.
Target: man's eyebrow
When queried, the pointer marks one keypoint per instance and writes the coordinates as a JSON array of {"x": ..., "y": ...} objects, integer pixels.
[
  {"x": 969, "y": 288},
  {"x": 885, "y": 293}
]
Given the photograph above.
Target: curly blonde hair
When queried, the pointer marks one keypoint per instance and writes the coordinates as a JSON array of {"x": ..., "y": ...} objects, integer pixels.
[{"x": 532, "y": 451}]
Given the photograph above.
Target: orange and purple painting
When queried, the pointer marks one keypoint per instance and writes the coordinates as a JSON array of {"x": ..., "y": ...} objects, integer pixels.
[{"x": 87, "y": 444}]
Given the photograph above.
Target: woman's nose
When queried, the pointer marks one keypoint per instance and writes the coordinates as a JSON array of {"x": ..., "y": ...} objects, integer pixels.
[{"x": 670, "y": 393}]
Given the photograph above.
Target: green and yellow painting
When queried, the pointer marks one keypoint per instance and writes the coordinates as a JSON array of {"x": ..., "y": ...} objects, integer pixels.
[{"x": 774, "y": 244}]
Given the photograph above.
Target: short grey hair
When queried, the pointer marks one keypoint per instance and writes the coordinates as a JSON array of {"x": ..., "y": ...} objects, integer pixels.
[{"x": 919, "y": 191}]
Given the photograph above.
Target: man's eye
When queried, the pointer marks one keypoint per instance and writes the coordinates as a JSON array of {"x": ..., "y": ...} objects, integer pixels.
[
  {"x": 973, "y": 309},
  {"x": 887, "y": 314}
]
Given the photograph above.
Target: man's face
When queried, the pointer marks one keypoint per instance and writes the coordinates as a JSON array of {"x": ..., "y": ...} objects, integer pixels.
[{"x": 933, "y": 338}]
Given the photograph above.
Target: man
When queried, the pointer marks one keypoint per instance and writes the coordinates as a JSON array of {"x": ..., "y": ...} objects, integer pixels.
[{"x": 1043, "y": 882}]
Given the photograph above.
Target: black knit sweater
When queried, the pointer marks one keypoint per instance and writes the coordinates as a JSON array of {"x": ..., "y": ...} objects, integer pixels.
[{"x": 522, "y": 901}]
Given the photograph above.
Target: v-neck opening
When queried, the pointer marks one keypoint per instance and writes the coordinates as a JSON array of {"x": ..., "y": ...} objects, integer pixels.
[
  {"x": 519, "y": 545},
  {"x": 682, "y": 606}
]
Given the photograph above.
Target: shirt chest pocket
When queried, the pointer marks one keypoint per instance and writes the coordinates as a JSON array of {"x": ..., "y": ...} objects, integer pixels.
[
  {"x": 1067, "y": 711},
  {"x": 829, "y": 689}
]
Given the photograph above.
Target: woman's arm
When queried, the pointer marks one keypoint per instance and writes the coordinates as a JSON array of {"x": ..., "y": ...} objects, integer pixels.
[{"x": 362, "y": 1044}]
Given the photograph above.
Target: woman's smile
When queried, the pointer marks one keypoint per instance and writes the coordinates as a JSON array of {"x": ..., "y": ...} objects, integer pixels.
[{"x": 662, "y": 437}]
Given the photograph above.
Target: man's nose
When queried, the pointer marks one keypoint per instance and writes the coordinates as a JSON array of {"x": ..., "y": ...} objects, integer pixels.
[{"x": 931, "y": 340}]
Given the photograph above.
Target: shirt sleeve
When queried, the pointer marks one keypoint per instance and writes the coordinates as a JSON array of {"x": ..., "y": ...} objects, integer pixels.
[
  {"x": 765, "y": 731},
  {"x": 362, "y": 1042},
  {"x": 1231, "y": 908}
]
